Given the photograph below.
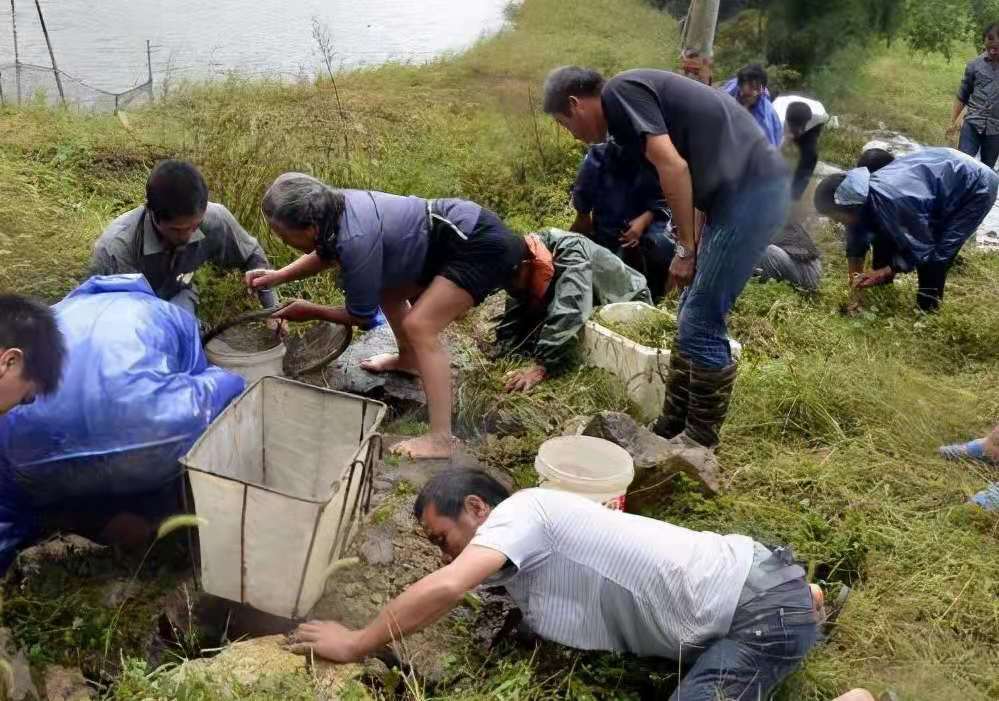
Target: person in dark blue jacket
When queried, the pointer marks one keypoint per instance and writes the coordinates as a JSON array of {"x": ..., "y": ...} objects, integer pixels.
[
  {"x": 620, "y": 206},
  {"x": 919, "y": 209}
]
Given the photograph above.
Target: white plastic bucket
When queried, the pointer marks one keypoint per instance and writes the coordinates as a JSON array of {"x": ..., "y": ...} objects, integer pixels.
[
  {"x": 251, "y": 365},
  {"x": 590, "y": 467}
]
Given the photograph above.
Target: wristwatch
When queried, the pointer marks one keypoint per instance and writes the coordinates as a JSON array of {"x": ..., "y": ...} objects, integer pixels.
[{"x": 682, "y": 251}]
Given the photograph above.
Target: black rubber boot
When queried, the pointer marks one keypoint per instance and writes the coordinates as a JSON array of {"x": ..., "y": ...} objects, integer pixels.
[
  {"x": 674, "y": 416},
  {"x": 709, "y": 395}
]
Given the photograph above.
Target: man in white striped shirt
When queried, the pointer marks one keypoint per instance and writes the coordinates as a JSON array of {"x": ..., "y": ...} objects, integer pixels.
[{"x": 740, "y": 616}]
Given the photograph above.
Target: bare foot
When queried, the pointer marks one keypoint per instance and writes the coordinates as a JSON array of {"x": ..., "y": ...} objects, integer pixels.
[
  {"x": 390, "y": 362},
  {"x": 427, "y": 447}
]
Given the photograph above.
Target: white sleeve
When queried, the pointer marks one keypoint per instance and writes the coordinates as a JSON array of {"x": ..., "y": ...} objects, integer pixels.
[{"x": 517, "y": 528}]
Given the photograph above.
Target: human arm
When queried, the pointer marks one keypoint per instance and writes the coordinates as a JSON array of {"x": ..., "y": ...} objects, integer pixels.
[
  {"x": 678, "y": 187},
  {"x": 420, "y": 605},
  {"x": 302, "y": 310},
  {"x": 570, "y": 305},
  {"x": 582, "y": 224},
  {"x": 304, "y": 266},
  {"x": 961, "y": 99}
]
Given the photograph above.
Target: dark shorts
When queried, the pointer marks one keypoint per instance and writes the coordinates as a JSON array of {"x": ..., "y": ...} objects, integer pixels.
[{"x": 482, "y": 262}]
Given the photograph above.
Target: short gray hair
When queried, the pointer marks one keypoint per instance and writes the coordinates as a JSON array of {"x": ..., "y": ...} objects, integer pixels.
[
  {"x": 299, "y": 201},
  {"x": 570, "y": 81}
]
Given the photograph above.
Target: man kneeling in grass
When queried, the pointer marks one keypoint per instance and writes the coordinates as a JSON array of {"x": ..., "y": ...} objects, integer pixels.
[
  {"x": 562, "y": 278},
  {"x": 598, "y": 579}
]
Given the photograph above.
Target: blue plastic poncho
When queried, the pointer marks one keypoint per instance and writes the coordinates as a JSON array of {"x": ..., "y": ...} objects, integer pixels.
[
  {"x": 136, "y": 392},
  {"x": 763, "y": 112},
  {"x": 923, "y": 206}
]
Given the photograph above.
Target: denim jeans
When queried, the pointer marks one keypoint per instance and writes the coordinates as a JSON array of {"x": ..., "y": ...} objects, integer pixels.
[
  {"x": 973, "y": 141},
  {"x": 777, "y": 264},
  {"x": 749, "y": 662},
  {"x": 737, "y": 233}
]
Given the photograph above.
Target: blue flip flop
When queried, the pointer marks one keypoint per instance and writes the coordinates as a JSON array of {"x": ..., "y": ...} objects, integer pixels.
[{"x": 972, "y": 450}]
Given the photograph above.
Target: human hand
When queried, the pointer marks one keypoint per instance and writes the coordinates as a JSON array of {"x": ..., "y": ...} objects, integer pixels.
[
  {"x": 952, "y": 130},
  {"x": 278, "y": 326},
  {"x": 259, "y": 278},
  {"x": 524, "y": 380},
  {"x": 299, "y": 310},
  {"x": 328, "y": 640},
  {"x": 681, "y": 272},
  {"x": 873, "y": 278}
]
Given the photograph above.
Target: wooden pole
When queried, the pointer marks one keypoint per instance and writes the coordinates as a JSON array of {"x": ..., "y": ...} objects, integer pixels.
[
  {"x": 698, "y": 41},
  {"x": 17, "y": 56},
  {"x": 48, "y": 43},
  {"x": 3, "y": 103},
  {"x": 149, "y": 65}
]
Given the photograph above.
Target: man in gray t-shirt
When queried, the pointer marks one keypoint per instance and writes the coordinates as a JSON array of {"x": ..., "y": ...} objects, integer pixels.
[
  {"x": 598, "y": 579},
  {"x": 173, "y": 234}
]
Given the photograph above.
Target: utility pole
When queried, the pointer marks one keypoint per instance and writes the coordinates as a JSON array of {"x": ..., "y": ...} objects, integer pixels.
[
  {"x": 17, "y": 56},
  {"x": 698, "y": 40},
  {"x": 48, "y": 43}
]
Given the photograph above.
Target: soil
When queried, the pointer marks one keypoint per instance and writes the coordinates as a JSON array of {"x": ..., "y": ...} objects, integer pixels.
[{"x": 249, "y": 338}]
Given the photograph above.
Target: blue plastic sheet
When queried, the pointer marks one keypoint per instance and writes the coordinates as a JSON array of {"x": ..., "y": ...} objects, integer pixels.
[{"x": 136, "y": 392}]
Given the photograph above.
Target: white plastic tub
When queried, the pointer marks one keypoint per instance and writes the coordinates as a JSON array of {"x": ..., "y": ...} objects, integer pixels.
[
  {"x": 642, "y": 369},
  {"x": 281, "y": 477},
  {"x": 251, "y": 365},
  {"x": 590, "y": 467}
]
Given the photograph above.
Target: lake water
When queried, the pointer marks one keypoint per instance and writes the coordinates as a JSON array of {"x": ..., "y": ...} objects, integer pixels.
[{"x": 103, "y": 42}]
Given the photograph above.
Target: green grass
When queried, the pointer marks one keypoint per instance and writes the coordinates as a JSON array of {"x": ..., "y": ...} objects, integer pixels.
[{"x": 830, "y": 442}]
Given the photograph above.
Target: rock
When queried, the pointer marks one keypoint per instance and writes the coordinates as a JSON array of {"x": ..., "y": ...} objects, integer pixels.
[
  {"x": 64, "y": 684},
  {"x": 346, "y": 373},
  {"x": 119, "y": 591},
  {"x": 61, "y": 547},
  {"x": 656, "y": 459},
  {"x": 249, "y": 663},
  {"x": 576, "y": 425},
  {"x": 15, "y": 672},
  {"x": 377, "y": 548}
]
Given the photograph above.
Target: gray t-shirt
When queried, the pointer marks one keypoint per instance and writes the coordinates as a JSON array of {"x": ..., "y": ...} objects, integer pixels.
[
  {"x": 130, "y": 244},
  {"x": 598, "y": 579},
  {"x": 721, "y": 142}
]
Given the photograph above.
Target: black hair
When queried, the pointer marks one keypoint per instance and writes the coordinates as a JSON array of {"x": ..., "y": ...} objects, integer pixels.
[
  {"x": 753, "y": 73},
  {"x": 798, "y": 114},
  {"x": 569, "y": 81},
  {"x": 447, "y": 491},
  {"x": 176, "y": 189},
  {"x": 30, "y": 325},
  {"x": 874, "y": 159},
  {"x": 990, "y": 29},
  {"x": 825, "y": 196}
]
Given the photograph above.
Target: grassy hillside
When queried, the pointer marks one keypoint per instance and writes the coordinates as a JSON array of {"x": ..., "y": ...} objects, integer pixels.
[{"x": 831, "y": 438}]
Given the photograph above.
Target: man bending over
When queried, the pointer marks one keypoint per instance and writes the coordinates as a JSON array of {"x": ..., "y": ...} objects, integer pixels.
[{"x": 596, "y": 579}]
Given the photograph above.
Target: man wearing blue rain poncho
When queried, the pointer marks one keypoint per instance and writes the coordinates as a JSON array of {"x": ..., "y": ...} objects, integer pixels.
[
  {"x": 136, "y": 391},
  {"x": 919, "y": 209}
]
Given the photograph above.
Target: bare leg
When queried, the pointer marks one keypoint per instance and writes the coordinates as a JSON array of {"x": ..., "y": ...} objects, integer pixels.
[
  {"x": 395, "y": 305},
  {"x": 442, "y": 303},
  {"x": 992, "y": 444}
]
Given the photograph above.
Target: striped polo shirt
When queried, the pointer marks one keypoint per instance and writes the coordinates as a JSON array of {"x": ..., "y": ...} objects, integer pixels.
[{"x": 597, "y": 579}]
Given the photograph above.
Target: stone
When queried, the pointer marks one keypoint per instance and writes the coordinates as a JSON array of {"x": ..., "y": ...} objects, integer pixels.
[
  {"x": 118, "y": 592},
  {"x": 656, "y": 458},
  {"x": 15, "y": 672},
  {"x": 347, "y": 375},
  {"x": 60, "y": 547},
  {"x": 64, "y": 684},
  {"x": 251, "y": 662},
  {"x": 576, "y": 425},
  {"x": 377, "y": 548}
]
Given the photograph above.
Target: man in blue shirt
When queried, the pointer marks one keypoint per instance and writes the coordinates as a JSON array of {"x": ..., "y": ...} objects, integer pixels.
[
  {"x": 622, "y": 209},
  {"x": 979, "y": 95},
  {"x": 918, "y": 210},
  {"x": 749, "y": 87}
]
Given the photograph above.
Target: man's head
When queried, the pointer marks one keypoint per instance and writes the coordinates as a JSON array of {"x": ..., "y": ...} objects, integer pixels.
[
  {"x": 176, "y": 197},
  {"x": 303, "y": 211},
  {"x": 874, "y": 159},
  {"x": 751, "y": 81},
  {"x": 572, "y": 97},
  {"x": 453, "y": 504},
  {"x": 990, "y": 37},
  {"x": 799, "y": 114},
  {"x": 825, "y": 201},
  {"x": 31, "y": 351}
]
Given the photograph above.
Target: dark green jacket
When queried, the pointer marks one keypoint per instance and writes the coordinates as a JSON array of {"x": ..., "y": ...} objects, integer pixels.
[{"x": 587, "y": 275}]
